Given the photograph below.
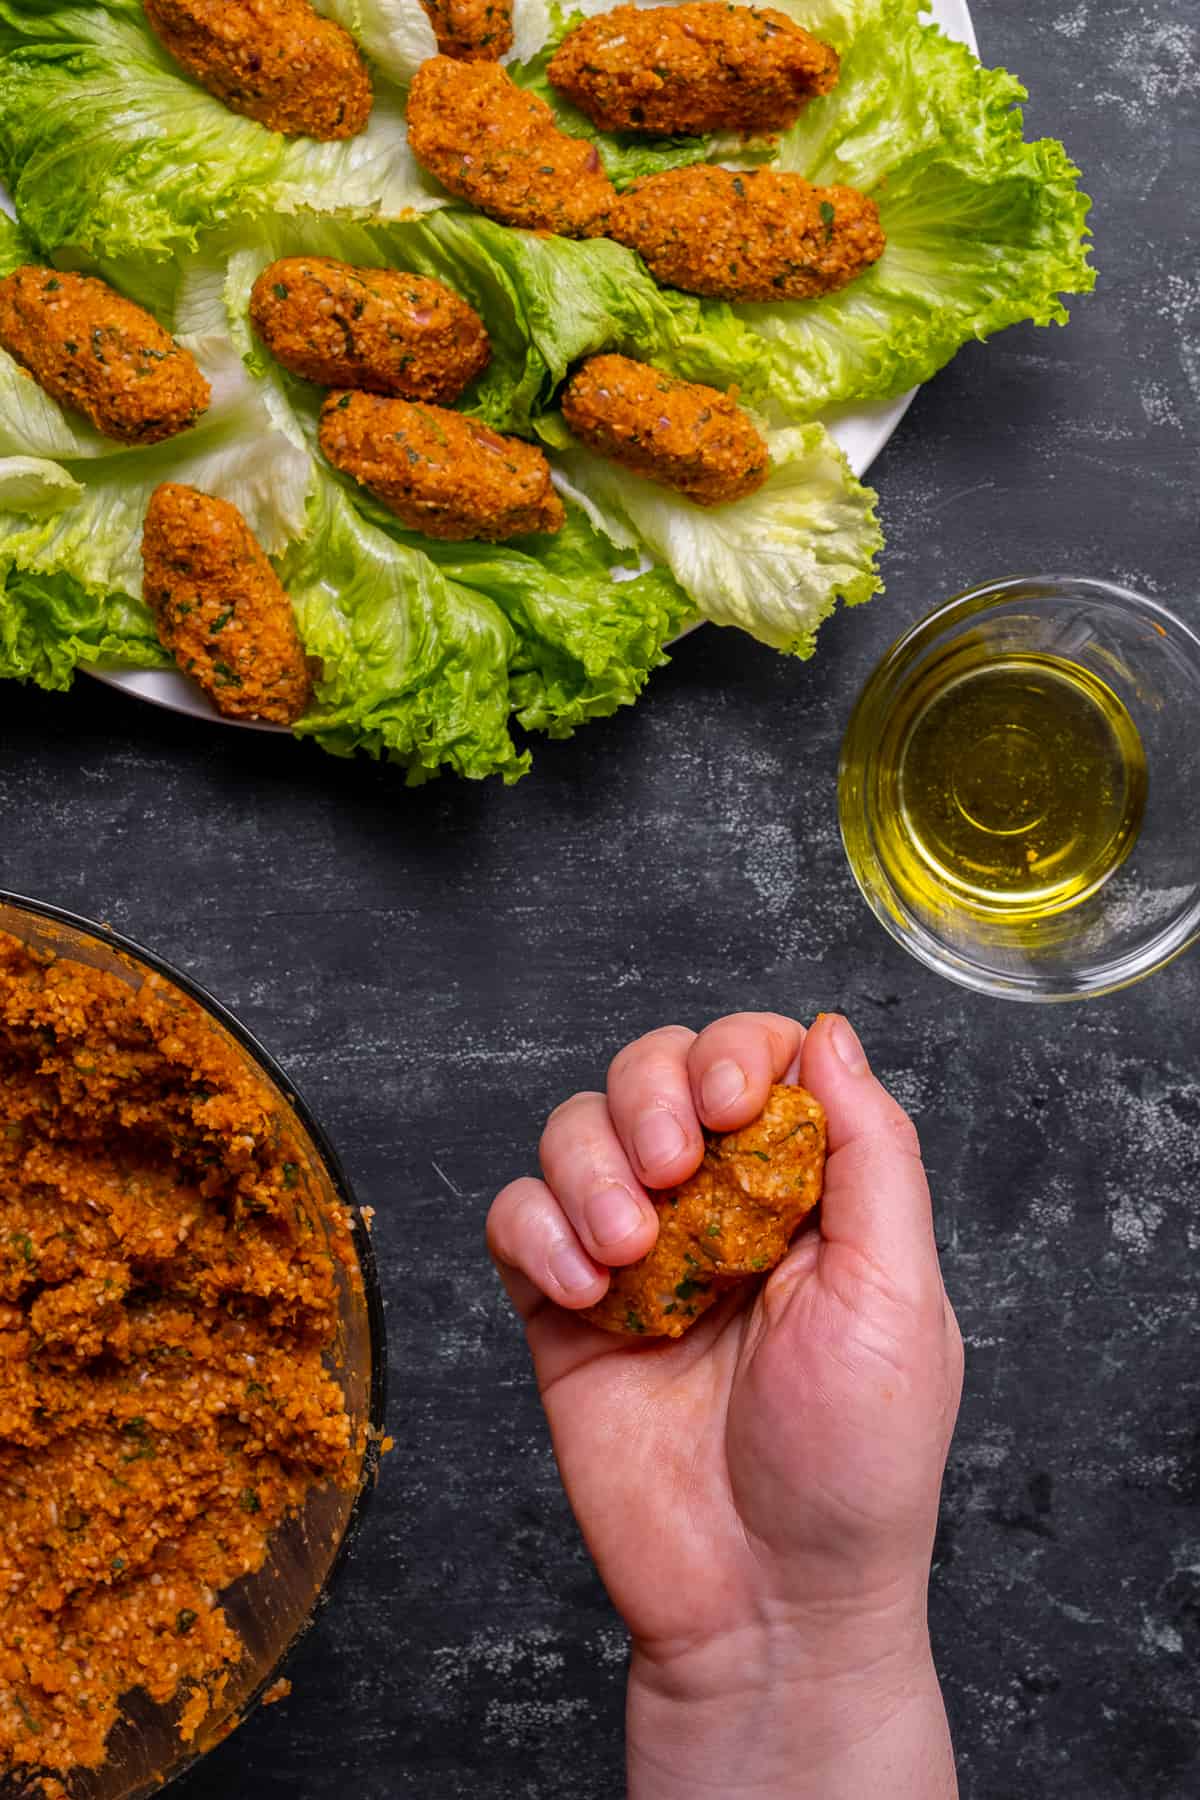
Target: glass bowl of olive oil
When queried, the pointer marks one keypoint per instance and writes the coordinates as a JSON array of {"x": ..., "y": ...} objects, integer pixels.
[{"x": 1019, "y": 789}]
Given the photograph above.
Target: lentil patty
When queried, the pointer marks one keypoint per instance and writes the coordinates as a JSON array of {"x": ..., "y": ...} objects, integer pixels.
[
  {"x": 703, "y": 66},
  {"x": 107, "y": 357},
  {"x": 442, "y": 474},
  {"x": 760, "y": 236},
  {"x": 679, "y": 433},
  {"x": 168, "y": 1291},
  {"x": 472, "y": 30},
  {"x": 382, "y": 330},
  {"x": 726, "y": 1224},
  {"x": 488, "y": 141},
  {"x": 277, "y": 61},
  {"x": 220, "y": 608}
]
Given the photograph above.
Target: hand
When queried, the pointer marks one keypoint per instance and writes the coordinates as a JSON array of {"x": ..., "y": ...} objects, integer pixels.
[{"x": 760, "y": 1495}]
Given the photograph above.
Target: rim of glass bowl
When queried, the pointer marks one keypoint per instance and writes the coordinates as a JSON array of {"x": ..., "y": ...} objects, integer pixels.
[
  {"x": 364, "y": 1250},
  {"x": 880, "y": 894}
]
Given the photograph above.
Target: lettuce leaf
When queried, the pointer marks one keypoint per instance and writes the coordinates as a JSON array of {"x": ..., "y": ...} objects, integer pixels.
[
  {"x": 30, "y": 484},
  {"x": 396, "y": 34},
  {"x": 587, "y": 634},
  {"x": 775, "y": 563},
  {"x": 984, "y": 229},
  {"x": 16, "y": 247},
  {"x": 415, "y": 669},
  {"x": 50, "y": 623},
  {"x": 108, "y": 145}
]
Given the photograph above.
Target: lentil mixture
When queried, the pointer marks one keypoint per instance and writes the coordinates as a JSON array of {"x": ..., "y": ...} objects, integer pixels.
[
  {"x": 220, "y": 608},
  {"x": 96, "y": 351},
  {"x": 168, "y": 1294},
  {"x": 442, "y": 474},
  {"x": 277, "y": 61},
  {"x": 488, "y": 141},
  {"x": 382, "y": 330},
  {"x": 754, "y": 236},
  {"x": 686, "y": 70},
  {"x": 681, "y": 434},
  {"x": 727, "y": 1224},
  {"x": 472, "y": 30}
]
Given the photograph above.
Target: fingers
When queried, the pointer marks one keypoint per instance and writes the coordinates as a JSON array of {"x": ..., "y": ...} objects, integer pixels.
[
  {"x": 538, "y": 1252},
  {"x": 593, "y": 1181},
  {"x": 876, "y": 1198},
  {"x": 650, "y": 1100},
  {"x": 666, "y": 1087},
  {"x": 734, "y": 1062}
]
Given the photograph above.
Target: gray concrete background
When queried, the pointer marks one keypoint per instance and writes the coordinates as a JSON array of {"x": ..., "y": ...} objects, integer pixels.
[{"x": 438, "y": 968}]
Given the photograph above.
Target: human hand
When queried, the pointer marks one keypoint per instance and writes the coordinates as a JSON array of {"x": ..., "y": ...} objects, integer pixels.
[{"x": 760, "y": 1495}]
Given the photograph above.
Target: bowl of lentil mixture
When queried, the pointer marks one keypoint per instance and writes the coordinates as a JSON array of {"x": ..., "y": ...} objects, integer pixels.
[{"x": 191, "y": 1364}]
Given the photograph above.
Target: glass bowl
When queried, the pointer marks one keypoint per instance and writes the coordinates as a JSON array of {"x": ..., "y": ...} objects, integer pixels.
[
  {"x": 273, "y": 1609},
  {"x": 1148, "y": 909}
]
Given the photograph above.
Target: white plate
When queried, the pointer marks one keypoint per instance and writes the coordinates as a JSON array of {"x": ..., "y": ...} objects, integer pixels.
[{"x": 861, "y": 434}]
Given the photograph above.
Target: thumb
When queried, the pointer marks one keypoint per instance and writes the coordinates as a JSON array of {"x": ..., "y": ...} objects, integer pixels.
[{"x": 876, "y": 1198}]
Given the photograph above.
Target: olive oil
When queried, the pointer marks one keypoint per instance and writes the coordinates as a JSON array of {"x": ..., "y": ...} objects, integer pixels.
[{"x": 1012, "y": 785}]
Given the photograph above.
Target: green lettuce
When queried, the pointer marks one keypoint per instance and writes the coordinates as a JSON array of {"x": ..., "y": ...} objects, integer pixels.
[
  {"x": 984, "y": 230},
  {"x": 587, "y": 632},
  {"x": 396, "y": 34},
  {"x": 108, "y": 145},
  {"x": 774, "y": 563},
  {"x": 425, "y": 656},
  {"x": 414, "y": 668},
  {"x": 49, "y": 624}
]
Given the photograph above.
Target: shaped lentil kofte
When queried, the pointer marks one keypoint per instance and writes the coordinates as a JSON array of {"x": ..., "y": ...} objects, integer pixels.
[
  {"x": 729, "y": 1222},
  {"x": 219, "y": 606},
  {"x": 679, "y": 433},
  {"x": 703, "y": 66},
  {"x": 759, "y": 236},
  {"x": 491, "y": 143},
  {"x": 107, "y": 357},
  {"x": 382, "y": 330},
  {"x": 472, "y": 30},
  {"x": 277, "y": 61},
  {"x": 442, "y": 474}
]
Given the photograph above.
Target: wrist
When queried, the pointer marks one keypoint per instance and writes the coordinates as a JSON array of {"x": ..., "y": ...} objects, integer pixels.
[{"x": 784, "y": 1709}]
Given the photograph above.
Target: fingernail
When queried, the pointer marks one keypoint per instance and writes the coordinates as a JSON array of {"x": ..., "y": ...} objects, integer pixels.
[
  {"x": 658, "y": 1140},
  {"x": 847, "y": 1048},
  {"x": 612, "y": 1215},
  {"x": 571, "y": 1268},
  {"x": 723, "y": 1086}
]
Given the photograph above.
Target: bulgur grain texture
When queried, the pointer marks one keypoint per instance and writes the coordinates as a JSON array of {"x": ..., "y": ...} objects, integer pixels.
[
  {"x": 382, "y": 330},
  {"x": 759, "y": 236},
  {"x": 167, "y": 1293},
  {"x": 103, "y": 355},
  {"x": 727, "y": 1224},
  {"x": 472, "y": 30},
  {"x": 488, "y": 141},
  {"x": 219, "y": 607},
  {"x": 277, "y": 61},
  {"x": 678, "y": 433},
  {"x": 690, "y": 69},
  {"x": 445, "y": 475}
]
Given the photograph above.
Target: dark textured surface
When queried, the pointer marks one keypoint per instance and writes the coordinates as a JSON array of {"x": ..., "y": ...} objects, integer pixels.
[{"x": 438, "y": 968}]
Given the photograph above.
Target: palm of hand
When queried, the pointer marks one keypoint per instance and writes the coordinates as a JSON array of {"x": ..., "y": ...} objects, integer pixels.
[{"x": 784, "y": 1454}]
